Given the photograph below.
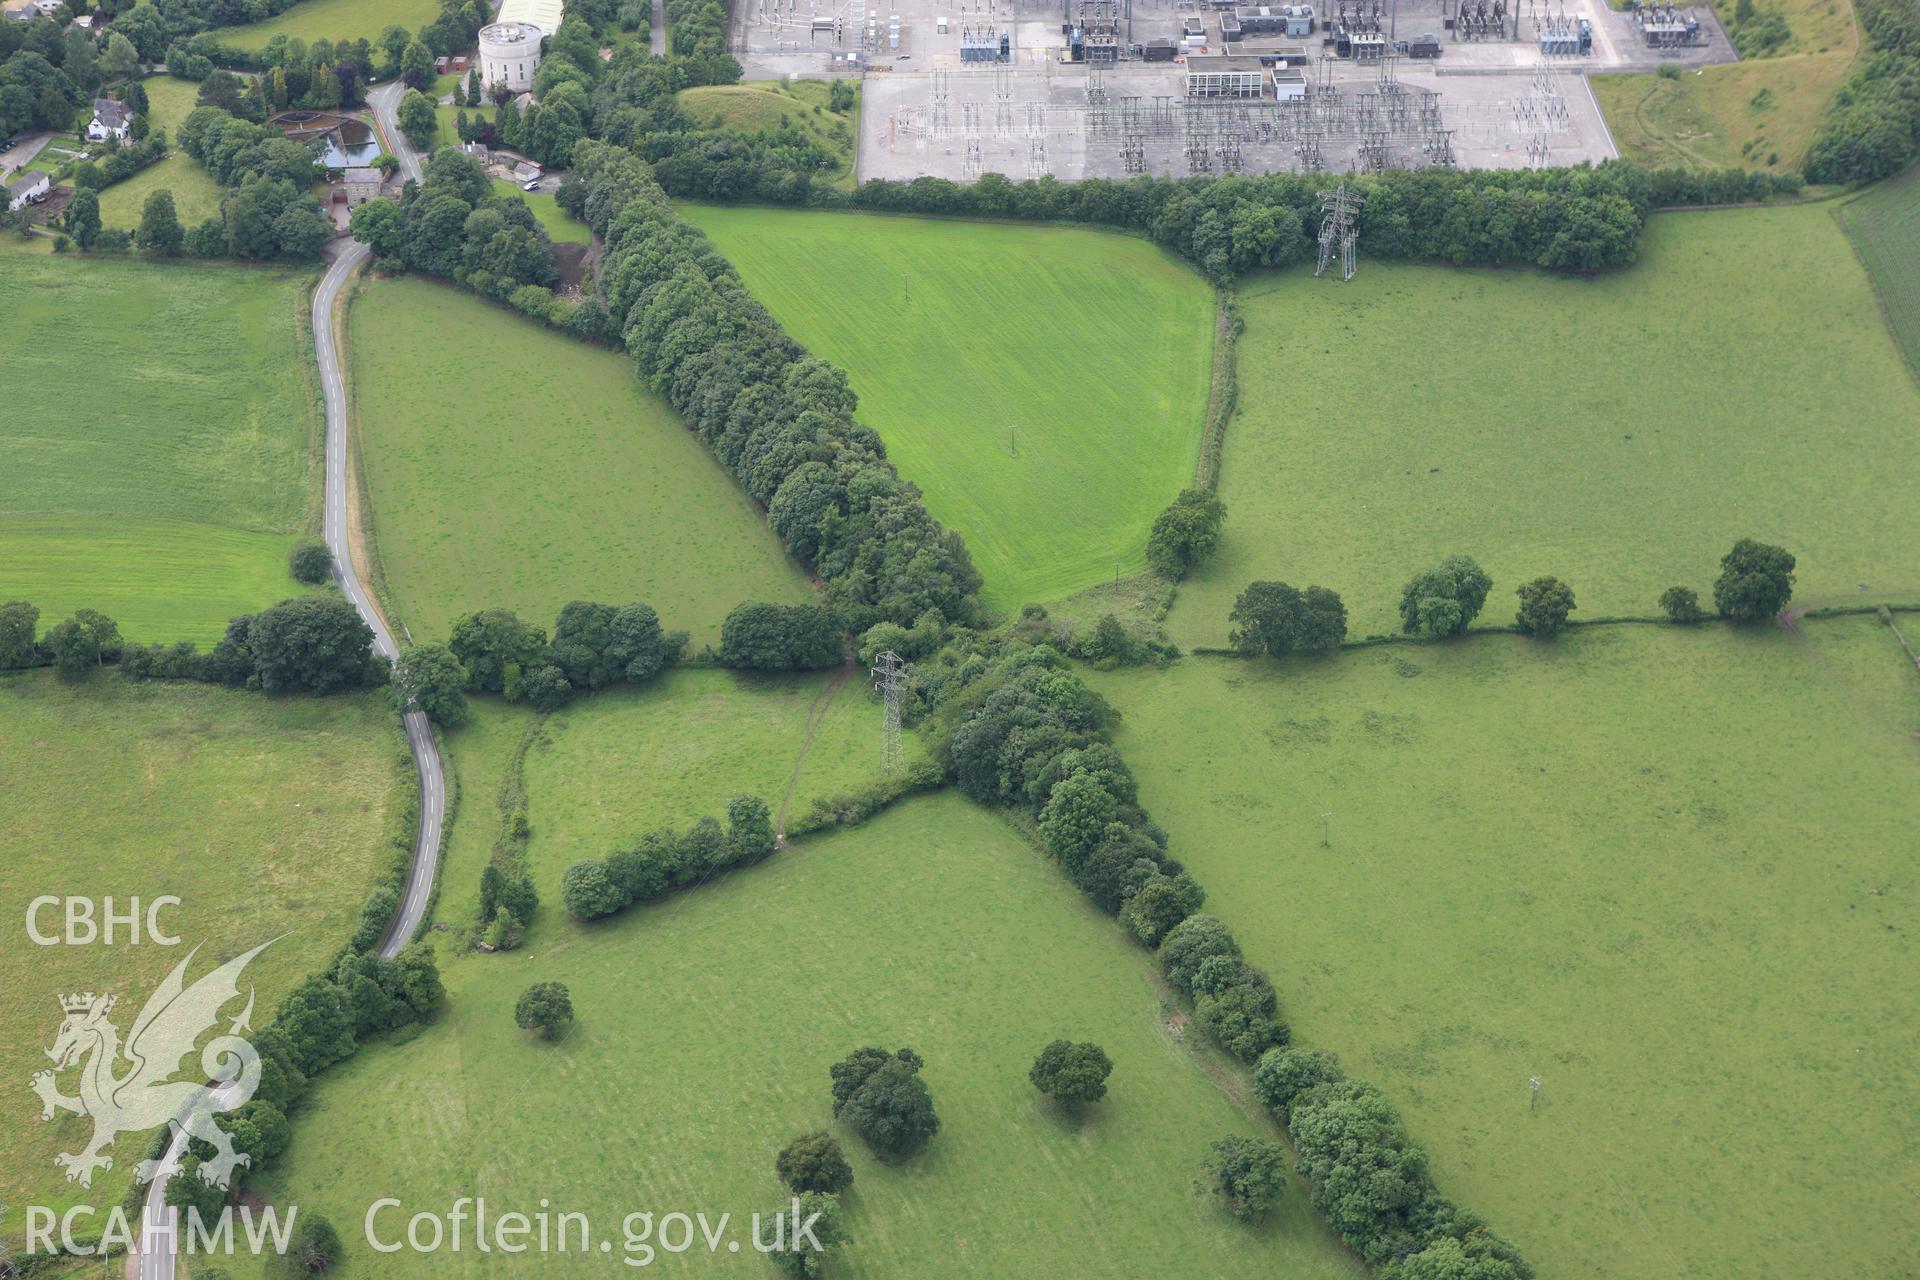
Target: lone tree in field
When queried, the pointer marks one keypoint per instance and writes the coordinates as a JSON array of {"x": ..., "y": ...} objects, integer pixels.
[
  {"x": 1072, "y": 1074},
  {"x": 545, "y": 1007},
  {"x": 883, "y": 1097},
  {"x": 1248, "y": 1174},
  {"x": 1756, "y": 581},
  {"x": 310, "y": 561},
  {"x": 313, "y": 1250},
  {"x": 1274, "y": 619},
  {"x": 812, "y": 1162},
  {"x": 1544, "y": 606},
  {"x": 1444, "y": 599},
  {"x": 1681, "y": 605},
  {"x": 1186, "y": 533}
]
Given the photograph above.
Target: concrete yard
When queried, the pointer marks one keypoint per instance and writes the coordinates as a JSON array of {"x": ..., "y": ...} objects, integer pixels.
[{"x": 1481, "y": 103}]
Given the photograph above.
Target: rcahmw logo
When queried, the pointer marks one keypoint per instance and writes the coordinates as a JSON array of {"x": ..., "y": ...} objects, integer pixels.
[
  {"x": 145, "y": 1096},
  {"x": 129, "y": 1088}
]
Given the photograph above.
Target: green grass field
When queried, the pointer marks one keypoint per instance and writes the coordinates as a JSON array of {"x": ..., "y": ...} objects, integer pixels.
[
  {"x": 196, "y": 196},
  {"x": 758, "y": 105},
  {"x": 266, "y": 816},
  {"x": 1090, "y": 350},
  {"x": 1619, "y": 433},
  {"x": 1667, "y": 870},
  {"x": 706, "y": 1026},
  {"x": 1884, "y": 225},
  {"x": 137, "y": 481},
  {"x": 511, "y": 465},
  {"x": 611, "y": 767},
  {"x": 333, "y": 20},
  {"x": 546, "y": 210}
]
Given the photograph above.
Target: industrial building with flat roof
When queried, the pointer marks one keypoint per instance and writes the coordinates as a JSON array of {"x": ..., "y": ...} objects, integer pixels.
[
  {"x": 1214, "y": 75},
  {"x": 544, "y": 14}
]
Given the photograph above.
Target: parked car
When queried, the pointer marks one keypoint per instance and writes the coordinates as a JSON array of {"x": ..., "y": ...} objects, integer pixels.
[{"x": 534, "y": 185}]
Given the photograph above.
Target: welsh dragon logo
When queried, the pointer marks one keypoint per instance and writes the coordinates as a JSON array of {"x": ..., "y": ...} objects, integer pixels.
[{"x": 144, "y": 1096}]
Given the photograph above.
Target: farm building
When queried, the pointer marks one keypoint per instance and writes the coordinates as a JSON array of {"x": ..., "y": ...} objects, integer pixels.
[
  {"x": 110, "y": 120},
  {"x": 30, "y": 188},
  {"x": 509, "y": 55},
  {"x": 544, "y": 14},
  {"x": 1216, "y": 75}
]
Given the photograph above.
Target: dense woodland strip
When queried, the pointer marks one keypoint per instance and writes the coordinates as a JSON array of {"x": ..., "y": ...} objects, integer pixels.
[
  {"x": 778, "y": 418},
  {"x": 1872, "y": 127}
]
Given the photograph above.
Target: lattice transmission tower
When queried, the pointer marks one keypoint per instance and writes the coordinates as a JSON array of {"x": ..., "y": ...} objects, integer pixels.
[
  {"x": 890, "y": 677},
  {"x": 1338, "y": 235}
]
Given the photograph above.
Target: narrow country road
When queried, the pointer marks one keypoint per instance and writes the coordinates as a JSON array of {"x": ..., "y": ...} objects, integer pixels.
[
  {"x": 426, "y": 756},
  {"x": 159, "y": 1228},
  {"x": 385, "y": 101},
  {"x": 658, "y": 29}
]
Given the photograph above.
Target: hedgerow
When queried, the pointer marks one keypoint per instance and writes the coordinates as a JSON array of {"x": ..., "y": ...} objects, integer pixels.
[{"x": 1017, "y": 727}]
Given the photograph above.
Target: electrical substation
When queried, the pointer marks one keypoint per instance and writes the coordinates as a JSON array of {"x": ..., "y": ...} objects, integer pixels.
[{"x": 1111, "y": 88}]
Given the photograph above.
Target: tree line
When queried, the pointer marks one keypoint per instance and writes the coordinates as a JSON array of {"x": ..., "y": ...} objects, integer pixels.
[
  {"x": 1583, "y": 218},
  {"x": 1016, "y": 727},
  {"x": 1275, "y": 619},
  {"x": 310, "y": 644},
  {"x": 595, "y": 646},
  {"x": 323, "y": 1021},
  {"x": 779, "y": 419},
  {"x": 664, "y": 860},
  {"x": 180, "y": 32}
]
